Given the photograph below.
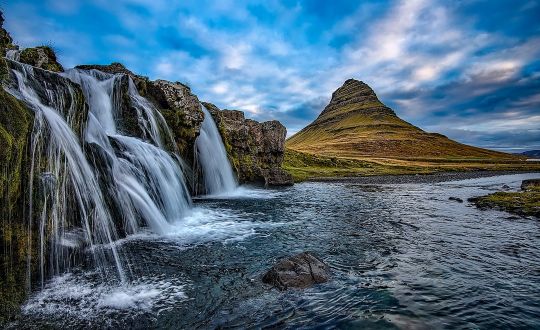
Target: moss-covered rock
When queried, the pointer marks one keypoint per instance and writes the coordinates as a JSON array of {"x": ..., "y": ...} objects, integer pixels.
[
  {"x": 255, "y": 149},
  {"x": 19, "y": 233},
  {"x": 6, "y": 42},
  {"x": 15, "y": 128},
  {"x": 525, "y": 202},
  {"x": 42, "y": 57}
]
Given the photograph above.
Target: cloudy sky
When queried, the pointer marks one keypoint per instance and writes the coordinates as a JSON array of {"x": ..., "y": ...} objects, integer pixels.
[{"x": 467, "y": 69}]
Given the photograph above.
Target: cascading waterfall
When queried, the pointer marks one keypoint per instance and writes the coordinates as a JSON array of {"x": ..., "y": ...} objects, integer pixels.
[
  {"x": 212, "y": 157},
  {"x": 13, "y": 54},
  {"x": 94, "y": 184}
]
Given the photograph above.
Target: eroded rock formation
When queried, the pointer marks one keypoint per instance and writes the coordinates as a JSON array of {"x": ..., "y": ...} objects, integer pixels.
[{"x": 256, "y": 150}]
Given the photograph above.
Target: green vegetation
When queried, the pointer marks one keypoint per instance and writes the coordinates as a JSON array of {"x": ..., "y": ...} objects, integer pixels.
[
  {"x": 42, "y": 57},
  {"x": 304, "y": 166},
  {"x": 525, "y": 202},
  {"x": 15, "y": 127}
]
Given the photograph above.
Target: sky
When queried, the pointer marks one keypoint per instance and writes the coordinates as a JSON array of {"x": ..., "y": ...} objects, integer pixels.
[{"x": 466, "y": 69}]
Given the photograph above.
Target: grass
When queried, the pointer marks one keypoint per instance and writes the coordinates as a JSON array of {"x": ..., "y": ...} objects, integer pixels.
[
  {"x": 303, "y": 166},
  {"x": 523, "y": 203}
]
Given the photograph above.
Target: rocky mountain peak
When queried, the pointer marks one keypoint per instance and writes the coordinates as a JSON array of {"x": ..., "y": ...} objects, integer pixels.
[{"x": 354, "y": 95}]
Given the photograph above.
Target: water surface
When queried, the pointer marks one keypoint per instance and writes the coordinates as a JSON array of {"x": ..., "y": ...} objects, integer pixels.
[{"x": 402, "y": 256}]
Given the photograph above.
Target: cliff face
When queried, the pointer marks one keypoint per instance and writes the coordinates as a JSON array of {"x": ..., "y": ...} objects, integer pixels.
[{"x": 256, "y": 150}]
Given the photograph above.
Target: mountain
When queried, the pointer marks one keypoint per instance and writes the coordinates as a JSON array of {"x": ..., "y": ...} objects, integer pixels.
[
  {"x": 356, "y": 124},
  {"x": 531, "y": 153}
]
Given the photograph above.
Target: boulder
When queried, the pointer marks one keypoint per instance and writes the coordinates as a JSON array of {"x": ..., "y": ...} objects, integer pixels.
[
  {"x": 530, "y": 184},
  {"x": 456, "y": 199},
  {"x": 300, "y": 271}
]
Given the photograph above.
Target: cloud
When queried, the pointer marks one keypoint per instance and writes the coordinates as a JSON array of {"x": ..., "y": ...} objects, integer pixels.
[{"x": 473, "y": 64}]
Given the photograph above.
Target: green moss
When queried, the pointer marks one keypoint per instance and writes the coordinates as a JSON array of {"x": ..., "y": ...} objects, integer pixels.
[
  {"x": 43, "y": 57},
  {"x": 15, "y": 128},
  {"x": 523, "y": 202}
]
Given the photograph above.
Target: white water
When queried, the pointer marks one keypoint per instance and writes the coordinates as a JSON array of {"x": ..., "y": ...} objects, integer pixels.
[
  {"x": 99, "y": 180},
  {"x": 13, "y": 54},
  {"x": 216, "y": 169}
]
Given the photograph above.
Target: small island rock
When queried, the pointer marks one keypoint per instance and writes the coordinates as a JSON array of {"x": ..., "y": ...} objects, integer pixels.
[{"x": 300, "y": 271}]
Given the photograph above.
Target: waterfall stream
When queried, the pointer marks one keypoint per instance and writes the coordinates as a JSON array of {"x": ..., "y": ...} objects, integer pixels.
[
  {"x": 91, "y": 181},
  {"x": 216, "y": 169}
]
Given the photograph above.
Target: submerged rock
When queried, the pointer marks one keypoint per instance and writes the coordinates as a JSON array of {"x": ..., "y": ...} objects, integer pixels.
[
  {"x": 457, "y": 199},
  {"x": 300, "y": 271},
  {"x": 256, "y": 150}
]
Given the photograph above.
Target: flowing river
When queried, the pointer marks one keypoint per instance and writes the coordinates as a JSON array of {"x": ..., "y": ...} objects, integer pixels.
[{"x": 401, "y": 255}]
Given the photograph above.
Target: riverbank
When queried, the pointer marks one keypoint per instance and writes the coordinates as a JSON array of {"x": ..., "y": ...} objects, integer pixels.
[
  {"x": 524, "y": 203},
  {"x": 308, "y": 167},
  {"x": 419, "y": 178}
]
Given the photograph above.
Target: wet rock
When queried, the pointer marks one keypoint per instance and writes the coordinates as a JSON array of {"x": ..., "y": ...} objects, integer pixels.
[
  {"x": 530, "y": 184},
  {"x": 457, "y": 199},
  {"x": 42, "y": 57},
  {"x": 300, "y": 271},
  {"x": 182, "y": 111},
  {"x": 505, "y": 187},
  {"x": 256, "y": 150}
]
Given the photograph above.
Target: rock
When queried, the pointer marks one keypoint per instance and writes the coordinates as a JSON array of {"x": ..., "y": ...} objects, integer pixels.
[
  {"x": 6, "y": 42},
  {"x": 506, "y": 187},
  {"x": 300, "y": 271},
  {"x": 530, "y": 184},
  {"x": 42, "y": 57},
  {"x": 256, "y": 150},
  {"x": 182, "y": 111},
  {"x": 457, "y": 199}
]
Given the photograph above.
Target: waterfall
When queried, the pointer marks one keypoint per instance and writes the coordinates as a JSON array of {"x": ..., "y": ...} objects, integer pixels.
[
  {"x": 96, "y": 182},
  {"x": 212, "y": 158},
  {"x": 13, "y": 54}
]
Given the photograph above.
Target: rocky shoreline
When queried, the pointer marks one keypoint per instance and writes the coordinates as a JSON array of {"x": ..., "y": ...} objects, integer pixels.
[
  {"x": 417, "y": 178},
  {"x": 524, "y": 203}
]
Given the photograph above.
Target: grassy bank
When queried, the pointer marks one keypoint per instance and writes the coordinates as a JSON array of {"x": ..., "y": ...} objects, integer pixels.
[
  {"x": 304, "y": 166},
  {"x": 525, "y": 202}
]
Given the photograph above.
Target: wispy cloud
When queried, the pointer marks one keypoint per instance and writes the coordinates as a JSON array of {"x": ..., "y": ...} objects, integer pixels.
[{"x": 473, "y": 64}]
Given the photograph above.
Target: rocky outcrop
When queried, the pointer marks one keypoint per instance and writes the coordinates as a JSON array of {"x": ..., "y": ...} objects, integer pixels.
[
  {"x": 6, "y": 43},
  {"x": 530, "y": 184},
  {"x": 178, "y": 105},
  {"x": 300, "y": 271},
  {"x": 256, "y": 150},
  {"x": 182, "y": 111},
  {"x": 42, "y": 57}
]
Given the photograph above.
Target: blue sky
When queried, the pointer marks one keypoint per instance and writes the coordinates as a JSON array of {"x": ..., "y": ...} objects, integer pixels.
[{"x": 467, "y": 69}]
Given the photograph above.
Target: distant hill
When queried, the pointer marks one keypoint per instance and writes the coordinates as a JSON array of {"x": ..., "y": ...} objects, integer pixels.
[
  {"x": 531, "y": 153},
  {"x": 356, "y": 124}
]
